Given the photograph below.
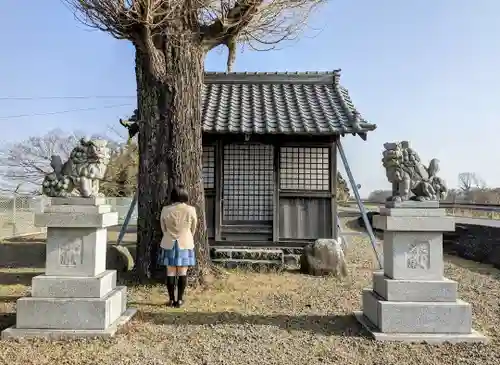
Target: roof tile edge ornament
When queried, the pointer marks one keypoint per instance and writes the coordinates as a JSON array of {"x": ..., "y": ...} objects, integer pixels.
[
  {"x": 358, "y": 124},
  {"x": 81, "y": 174},
  {"x": 410, "y": 179}
]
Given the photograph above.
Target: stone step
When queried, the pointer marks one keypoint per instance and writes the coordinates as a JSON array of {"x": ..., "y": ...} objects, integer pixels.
[
  {"x": 45, "y": 286},
  {"x": 247, "y": 254},
  {"x": 249, "y": 261},
  {"x": 417, "y": 317},
  {"x": 71, "y": 313},
  {"x": 251, "y": 264},
  {"x": 444, "y": 290}
]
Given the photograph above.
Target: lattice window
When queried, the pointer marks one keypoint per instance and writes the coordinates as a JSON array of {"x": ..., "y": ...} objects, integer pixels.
[
  {"x": 248, "y": 182},
  {"x": 209, "y": 167},
  {"x": 304, "y": 168}
]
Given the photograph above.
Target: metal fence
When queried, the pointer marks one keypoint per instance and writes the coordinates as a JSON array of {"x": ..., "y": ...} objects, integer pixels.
[{"x": 17, "y": 214}]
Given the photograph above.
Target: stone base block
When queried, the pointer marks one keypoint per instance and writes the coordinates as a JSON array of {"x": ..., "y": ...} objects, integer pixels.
[
  {"x": 414, "y": 290},
  {"x": 45, "y": 286},
  {"x": 417, "y": 317},
  {"x": 71, "y": 313},
  {"x": 79, "y": 209},
  {"x": 413, "y": 255},
  {"x": 78, "y": 200},
  {"x": 76, "y": 251},
  {"x": 432, "y": 338},
  {"x": 76, "y": 220},
  {"x": 428, "y": 204},
  {"x": 413, "y": 212},
  {"x": 414, "y": 224},
  {"x": 58, "y": 334}
]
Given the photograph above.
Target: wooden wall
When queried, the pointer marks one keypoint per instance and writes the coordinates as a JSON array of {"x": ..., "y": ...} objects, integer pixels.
[
  {"x": 304, "y": 189},
  {"x": 305, "y": 218}
]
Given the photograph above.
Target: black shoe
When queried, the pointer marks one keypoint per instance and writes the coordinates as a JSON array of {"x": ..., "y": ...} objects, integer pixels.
[
  {"x": 178, "y": 303},
  {"x": 171, "y": 304}
]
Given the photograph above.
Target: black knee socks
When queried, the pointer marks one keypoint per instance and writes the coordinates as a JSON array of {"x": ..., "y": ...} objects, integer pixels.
[
  {"x": 181, "y": 286},
  {"x": 171, "y": 287}
]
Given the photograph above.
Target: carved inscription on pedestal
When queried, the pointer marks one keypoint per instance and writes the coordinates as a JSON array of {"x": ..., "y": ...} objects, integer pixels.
[
  {"x": 71, "y": 253},
  {"x": 418, "y": 255}
]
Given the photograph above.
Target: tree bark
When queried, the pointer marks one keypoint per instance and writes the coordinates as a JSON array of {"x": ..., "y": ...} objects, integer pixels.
[{"x": 170, "y": 145}]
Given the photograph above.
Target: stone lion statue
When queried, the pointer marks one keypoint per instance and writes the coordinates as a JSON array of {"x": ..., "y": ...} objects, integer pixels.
[
  {"x": 80, "y": 175},
  {"x": 410, "y": 179}
]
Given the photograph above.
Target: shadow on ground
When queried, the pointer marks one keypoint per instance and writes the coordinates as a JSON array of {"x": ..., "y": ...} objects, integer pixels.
[
  {"x": 479, "y": 268},
  {"x": 7, "y": 320},
  {"x": 17, "y": 278},
  {"x": 340, "y": 325},
  {"x": 22, "y": 254},
  {"x": 117, "y": 229}
]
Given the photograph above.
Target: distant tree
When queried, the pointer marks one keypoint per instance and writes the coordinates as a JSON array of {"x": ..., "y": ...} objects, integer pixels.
[
  {"x": 121, "y": 175},
  {"x": 468, "y": 182},
  {"x": 379, "y": 196},
  {"x": 28, "y": 161}
]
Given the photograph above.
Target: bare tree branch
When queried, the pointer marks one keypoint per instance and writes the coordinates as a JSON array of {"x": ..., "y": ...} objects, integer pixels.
[{"x": 148, "y": 23}]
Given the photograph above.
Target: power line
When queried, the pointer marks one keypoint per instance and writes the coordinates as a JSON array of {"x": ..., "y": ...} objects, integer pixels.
[
  {"x": 63, "y": 111},
  {"x": 66, "y": 97}
]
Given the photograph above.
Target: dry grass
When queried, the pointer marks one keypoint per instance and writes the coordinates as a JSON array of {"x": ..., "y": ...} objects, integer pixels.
[
  {"x": 254, "y": 318},
  {"x": 469, "y": 213},
  {"x": 483, "y": 214}
]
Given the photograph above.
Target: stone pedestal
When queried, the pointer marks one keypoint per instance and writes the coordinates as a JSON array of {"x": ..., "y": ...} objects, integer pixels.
[
  {"x": 411, "y": 301},
  {"x": 77, "y": 296}
]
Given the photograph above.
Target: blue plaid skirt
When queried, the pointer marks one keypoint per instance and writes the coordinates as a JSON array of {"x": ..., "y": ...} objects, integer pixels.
[{"x": 176, "y": 256}]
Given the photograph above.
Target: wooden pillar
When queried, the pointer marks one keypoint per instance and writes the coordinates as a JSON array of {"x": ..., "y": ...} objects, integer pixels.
[
  {"x": 276, "y": 193},
  {"x": 333, "y": 188},
  {"x": 218, "y": 189}
]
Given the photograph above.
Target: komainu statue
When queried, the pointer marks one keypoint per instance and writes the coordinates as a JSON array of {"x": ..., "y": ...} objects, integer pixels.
[
  {"x": 80, "y": 175},
  {"x": 410, "y": 179}
]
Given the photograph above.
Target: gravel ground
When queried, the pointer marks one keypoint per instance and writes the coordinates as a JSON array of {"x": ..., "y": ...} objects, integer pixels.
[{"x": 256, "y": 318}]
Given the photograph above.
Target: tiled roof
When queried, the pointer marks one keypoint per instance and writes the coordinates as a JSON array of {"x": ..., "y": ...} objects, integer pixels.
[{"x": 279, "y": 103}]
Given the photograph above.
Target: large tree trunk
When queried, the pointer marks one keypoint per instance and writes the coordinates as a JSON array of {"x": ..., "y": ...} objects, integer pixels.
[{"x": 170, "y": 145}]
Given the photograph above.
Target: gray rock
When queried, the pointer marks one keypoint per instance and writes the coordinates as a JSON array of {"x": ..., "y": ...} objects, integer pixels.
[
  {"x": 323, "y": 257},
  {"x": 119, "y": 258}
]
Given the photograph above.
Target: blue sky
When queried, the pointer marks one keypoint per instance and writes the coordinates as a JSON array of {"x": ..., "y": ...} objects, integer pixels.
[{"x": 421, "y": 70}]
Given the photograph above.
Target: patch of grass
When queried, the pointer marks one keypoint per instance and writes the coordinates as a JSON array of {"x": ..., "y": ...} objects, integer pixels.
[
  {"x": 474, "y": 213},
  {"x": 266, "y": 318}
]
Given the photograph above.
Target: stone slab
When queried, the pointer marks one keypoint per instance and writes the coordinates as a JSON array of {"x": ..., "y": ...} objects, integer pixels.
[
  {"x": 77, "y": 200},
  {"x": 389, "y": 289},
  {"x": 71, "y": 313},
  {"x": 76, "y": 220},
  {"x": 78, "y": 209},
  {"x": 417, "y": 317},
  {"x": 45, "y": 286},
  {"x": 413, "y": 255},
  {"x": 76, "y": 251},
  {"x": 413, "y": 204},
  {"x": 413, "y": 212},
  {"x": 58, "y": 334},
  {"x": 414, "y": 224},
  {"x": 431, "y": 338}
]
